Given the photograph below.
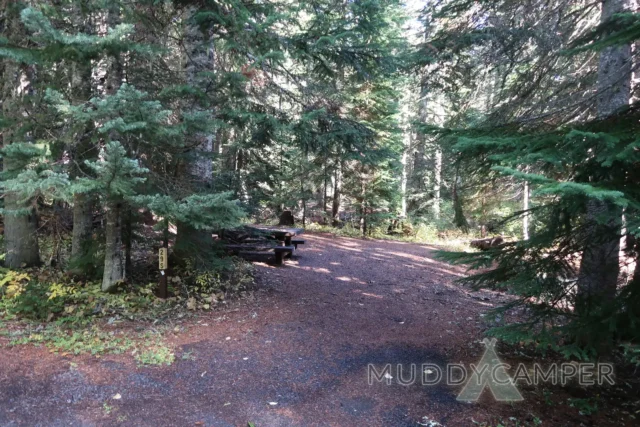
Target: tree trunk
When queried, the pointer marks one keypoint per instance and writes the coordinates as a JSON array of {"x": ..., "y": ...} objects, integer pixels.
[
  {"x": 437, "y": 181},
  {"x": 405, "y": 171},
  {"x": 83, "y": 149},
  {"x": 420, "y": 157},
  {"x": 200, "y": 55},
  {"x": 20, "y": 216},
  {"x": 458, "y": 214},
  {"x": 82, "y": 224},
  {"x": 242, "y": 174},
  {"x": 20, "y": 232},
  {"x": 114, "y": 260},
  {"x": 337, "y": 189},
  {"x": 363, "y": 205},
  {"x": 114, "y": 256},
  {"x": 324, "y": 193},
  {"x": 200, "y": 58},
  {"x": 438, "y": 118},
  {"x": 127, "y": 236},
  {"x": 525, "y": 208},
  {"x": 599, "y": 269}
]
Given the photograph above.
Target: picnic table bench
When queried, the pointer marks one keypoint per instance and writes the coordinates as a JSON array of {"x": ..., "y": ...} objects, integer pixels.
[
  {"x": 284, "y": 234},
  {"x": 258, "y": 245},
  {"x": 252, "y": 250}
]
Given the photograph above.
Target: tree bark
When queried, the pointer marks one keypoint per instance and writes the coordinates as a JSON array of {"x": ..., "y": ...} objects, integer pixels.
[
  {"x": 20, "y": 232},
  {"x": 437, "y": 181},
  {"x": 337, "y": 190},
  {"x": 82, "y": 150},
  {"x": 458, "y": 214},
  {"x": 20, "y": 216},
  {"x": 420, "y": 156},
  {"x": 114, "y": 256},
  {"x": 363, "y": 203},
  {"x": 82, "y": 224},
  {"x": 439, "y": 119},
  {"x": 599, "y": 269},
  {"x": 127, "y": 237},
  {"x": 525, "y": 208},
  {"x": 405, "y": 171},
  {"x": 324, "y": 192},
  {"x": 114, "y": 260},
  {"x": 200, "y": 56}
]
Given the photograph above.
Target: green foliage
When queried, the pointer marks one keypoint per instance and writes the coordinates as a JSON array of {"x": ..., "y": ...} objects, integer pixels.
[
  {"x": 517, "y": 127},
  {"x": 61, "y": 44},
  {"x": 27, "y": 173},
  {"x": 200, "y": 211},
  {"x": 89, "y": 262},
  {"x": 588, "y": 406},
  {"x": 40, "y": 296},
  {"x": 155, "y": 354},
  {"x": 116, "y": 174},
  {"x": 90, "y": 341},
  {"x": 205, "y": 288},
  {"x": 148, "y": 348},
  {"x": 12, "y": 282}
]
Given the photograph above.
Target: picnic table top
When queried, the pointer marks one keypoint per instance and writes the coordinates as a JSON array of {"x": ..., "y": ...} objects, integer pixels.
[{"x": 282, "y": 230}]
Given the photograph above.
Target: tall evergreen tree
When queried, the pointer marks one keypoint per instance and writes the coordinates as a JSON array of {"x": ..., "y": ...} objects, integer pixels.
[{"x": 18, "y": 101}]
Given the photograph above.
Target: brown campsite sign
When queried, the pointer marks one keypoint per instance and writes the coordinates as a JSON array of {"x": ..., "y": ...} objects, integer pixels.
[{"x": 162, "y": 259}]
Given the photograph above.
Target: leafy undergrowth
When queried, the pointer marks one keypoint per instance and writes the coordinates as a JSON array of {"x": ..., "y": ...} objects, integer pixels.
[{"x": 46, "y": 308}]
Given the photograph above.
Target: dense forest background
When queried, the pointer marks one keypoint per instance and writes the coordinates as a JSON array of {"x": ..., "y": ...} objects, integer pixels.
[{"x": 443, "y": 118}]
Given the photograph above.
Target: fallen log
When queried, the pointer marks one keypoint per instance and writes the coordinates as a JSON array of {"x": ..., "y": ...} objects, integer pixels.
[{"x": 485, "y": 244}]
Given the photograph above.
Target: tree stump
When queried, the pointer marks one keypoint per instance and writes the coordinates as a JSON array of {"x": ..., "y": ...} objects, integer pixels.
[{"x": 286, "y": 218}]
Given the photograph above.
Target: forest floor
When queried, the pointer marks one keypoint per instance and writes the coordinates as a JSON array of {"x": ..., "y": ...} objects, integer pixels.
[{"x": 295, "y": 353}]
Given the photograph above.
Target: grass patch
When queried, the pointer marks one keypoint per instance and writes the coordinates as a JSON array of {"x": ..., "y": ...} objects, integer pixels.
[
  {"x": 156, "y": 354},
  {"x": 148, "y": 348},
  {"x": 91, "y": 341}
]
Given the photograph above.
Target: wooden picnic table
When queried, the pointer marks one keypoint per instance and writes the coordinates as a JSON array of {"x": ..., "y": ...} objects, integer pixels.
[{"x": 284, "y": 234}]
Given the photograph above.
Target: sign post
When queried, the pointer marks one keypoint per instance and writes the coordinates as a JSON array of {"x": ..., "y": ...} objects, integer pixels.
[{"x": 163, "y": 264}]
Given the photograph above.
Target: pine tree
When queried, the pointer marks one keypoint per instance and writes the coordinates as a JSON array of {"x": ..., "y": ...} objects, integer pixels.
[
  {"x": 116, "y": 177},
  {"x": 200, "y": 59},
  {"x": 18, "y": 78},
  {"x": 599, "y": 268},
  {"x": 575, "y": 152}
]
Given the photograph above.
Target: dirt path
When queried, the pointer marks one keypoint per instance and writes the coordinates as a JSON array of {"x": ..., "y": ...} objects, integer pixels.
[{"x": 304, "y": 342}]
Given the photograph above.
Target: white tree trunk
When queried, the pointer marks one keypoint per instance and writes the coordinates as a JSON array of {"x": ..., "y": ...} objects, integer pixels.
[
  {"x": 525, "y": 207},
  {"x": 438, "y": 118},
  {"x": 405, "y": 171},
  {"x": 437, "y": 181}
]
